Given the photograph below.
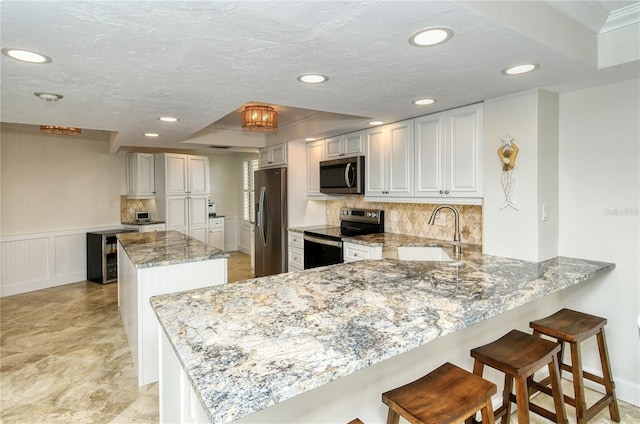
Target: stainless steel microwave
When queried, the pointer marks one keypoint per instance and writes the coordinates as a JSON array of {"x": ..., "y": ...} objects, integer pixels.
[{"x": 342, "y": 176}]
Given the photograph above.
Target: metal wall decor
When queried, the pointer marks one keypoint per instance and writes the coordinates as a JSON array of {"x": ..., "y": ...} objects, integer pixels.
[{"x": 508, "y": 152}]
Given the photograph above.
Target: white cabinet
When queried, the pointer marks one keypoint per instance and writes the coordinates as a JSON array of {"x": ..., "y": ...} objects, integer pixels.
[
  {"x": 182, "y": 174},
  {"x": 273, "y": 156},
  {"x": 145, "y": 228},
  {"x": 351, "y": 144},
  {"x": 352, "y": 252},
  {"x": 140, "y": 175},
  {"x": 137, "y": 285},
  {"x": 178, "y": 400},
  {"x": 389, "y": 160},
  {"x": 182, "y": 191},
  {"x": 315, "y": 154},
  {"x": 216, "y": 233},
  {"x": 296, "y": 251},
  {"x": 448, "y": 154}
]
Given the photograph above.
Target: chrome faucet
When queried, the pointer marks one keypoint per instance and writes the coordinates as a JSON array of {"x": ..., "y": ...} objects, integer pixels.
[{"x": 456, "y": 237}]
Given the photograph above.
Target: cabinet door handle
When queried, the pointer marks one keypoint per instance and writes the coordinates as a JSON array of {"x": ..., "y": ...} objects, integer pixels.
[
  {"x": 446, "y": 192},
  {"x": 441, "y": 191}
]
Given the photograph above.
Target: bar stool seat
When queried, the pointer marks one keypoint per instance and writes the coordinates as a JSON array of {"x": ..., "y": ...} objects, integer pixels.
[
  {"x": 519, "y": 355},
  {"x": 446, "y": 395},
  {"x": 573, "y": 327}
]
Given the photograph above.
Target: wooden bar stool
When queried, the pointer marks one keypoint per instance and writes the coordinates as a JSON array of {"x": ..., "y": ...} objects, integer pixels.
[
  {"x": 446, "y": 395},
  {"x": 519, "y": 355},
  {"x": 573, "y": 327}
]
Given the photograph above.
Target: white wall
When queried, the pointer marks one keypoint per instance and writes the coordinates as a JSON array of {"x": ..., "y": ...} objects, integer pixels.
[
  {"x": 531, "y": 118},
  {"x": 53, "y": 182},
  {"x": 599, "y": 215},
  {"x": 226, "y": 187}
]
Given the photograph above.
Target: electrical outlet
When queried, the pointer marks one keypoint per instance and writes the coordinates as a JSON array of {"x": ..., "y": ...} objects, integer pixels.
[
  {"x": 441, "y": 219},
  {"x": 393, "y": 216}
]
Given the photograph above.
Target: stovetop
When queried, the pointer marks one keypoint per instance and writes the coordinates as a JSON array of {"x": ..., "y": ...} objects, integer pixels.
[{"x": 327, "y": 232}]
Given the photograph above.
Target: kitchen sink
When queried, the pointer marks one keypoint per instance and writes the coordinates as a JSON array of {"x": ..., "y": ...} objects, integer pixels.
[{"x": 423, "y": 253}]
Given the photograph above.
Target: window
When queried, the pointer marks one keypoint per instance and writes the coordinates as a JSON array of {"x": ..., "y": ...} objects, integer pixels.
[{"x": 248, "y": 196}]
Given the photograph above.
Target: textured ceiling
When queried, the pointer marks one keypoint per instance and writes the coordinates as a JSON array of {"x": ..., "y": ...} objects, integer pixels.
[{"x": 122, "y": 64}]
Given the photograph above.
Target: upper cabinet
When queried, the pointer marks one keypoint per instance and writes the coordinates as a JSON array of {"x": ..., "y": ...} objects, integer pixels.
[
  {"x": 345, "y": 145},
  {"x": 140, "y": 176},
  {"x": 183, "y": 174},
  {"x": 389, "y": 160},
  {"x": 273, "y": 156},
  {"x": 448, "y": 154},
  {"x": 315, "y": 154}
]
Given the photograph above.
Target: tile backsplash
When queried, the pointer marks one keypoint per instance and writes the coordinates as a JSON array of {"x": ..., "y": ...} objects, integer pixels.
[
  {"x": 129, "y": 207},
  {"x": 413, "y": 218}
]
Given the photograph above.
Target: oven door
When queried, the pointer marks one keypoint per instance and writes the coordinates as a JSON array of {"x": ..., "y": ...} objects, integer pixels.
[{"x": 320, "y": 252}]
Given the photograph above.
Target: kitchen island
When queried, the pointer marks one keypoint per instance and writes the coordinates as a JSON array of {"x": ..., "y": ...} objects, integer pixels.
[
  {"x": 156, "y": 263},
  {"x": 321, "y": 345}
]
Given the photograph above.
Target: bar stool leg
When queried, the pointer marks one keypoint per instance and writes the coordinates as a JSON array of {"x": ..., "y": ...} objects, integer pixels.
[
  {"x": 506, "y": 399},
  {"x": 578, "y": 385},
  {"x": 522, "y": 399},
  {"x": 393, "y": 417},
  {"x": 614, "y": 413},
  {"x": 487, "y": 413},
  {"x": 558, "y": 398}
]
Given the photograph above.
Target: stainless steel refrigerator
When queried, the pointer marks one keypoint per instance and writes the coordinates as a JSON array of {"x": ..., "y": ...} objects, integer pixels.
[{"x": 271, "y": 221}]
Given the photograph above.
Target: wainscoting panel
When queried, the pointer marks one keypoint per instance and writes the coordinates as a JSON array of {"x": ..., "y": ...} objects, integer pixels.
[
  {"x": 25, "y": 261},
  {"x": 38, "y": 261}
]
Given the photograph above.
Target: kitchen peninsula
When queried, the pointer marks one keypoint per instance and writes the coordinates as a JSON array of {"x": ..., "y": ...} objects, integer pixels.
[
  {"x": 255, "y": 351},
  {"x": 156, "y": 263}
]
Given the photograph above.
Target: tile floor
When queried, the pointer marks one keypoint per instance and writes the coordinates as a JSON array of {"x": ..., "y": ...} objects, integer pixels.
[{"x": 64, "y": 358}]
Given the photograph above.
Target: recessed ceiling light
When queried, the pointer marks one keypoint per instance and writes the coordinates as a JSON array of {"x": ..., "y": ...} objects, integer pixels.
[
  {"x": 430, "y": 36},
  {"x": 151, "y": 135},
  {"x": 424, "y": 102},
  {"x": 168, "y": 119},
  {"x": 312, "y": 78},
  {"x": 376, "y": 122},
  {"x": 520, "y": 69},
  {"x": 310, "y": 139},
  {"x": 26, "y": 55}
]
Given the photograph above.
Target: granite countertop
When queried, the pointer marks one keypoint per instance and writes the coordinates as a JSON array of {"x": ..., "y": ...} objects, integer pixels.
[
  {"x": 249, "y": 345},
  {"x": 301, "y": 230},
  {"x": 166, "y": 248}
]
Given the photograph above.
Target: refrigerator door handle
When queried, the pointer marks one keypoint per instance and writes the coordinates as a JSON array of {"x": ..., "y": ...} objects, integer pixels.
[{"x": 261, "y": 212}]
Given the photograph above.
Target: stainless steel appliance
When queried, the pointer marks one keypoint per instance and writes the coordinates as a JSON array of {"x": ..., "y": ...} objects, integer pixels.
[
  {"x": 342, "y": 176},
  {"x": 143, "y": 216},
  {"x": 324, "y": 246},
  {"x": 271, "y": 221},
  {"x": 212, "y": 209},
  {"x": 102, "y": 256}
]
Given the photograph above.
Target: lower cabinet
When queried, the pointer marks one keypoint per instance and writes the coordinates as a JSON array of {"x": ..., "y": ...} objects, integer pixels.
[
  {"x": 137, "y": 285},
  {"x": 179, "y": 403},
  {"x": 216, "y": 233},
  {"x": 146, "y": 228},
  {"x": 352, "y": 252},
  {"x": 296, "y": 251}
]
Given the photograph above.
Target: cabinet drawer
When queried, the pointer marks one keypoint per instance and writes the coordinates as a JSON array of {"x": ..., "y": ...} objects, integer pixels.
[
  {"x": 216, "y": 222},
  {"x": 296, "y": 258},
  {"x": 152, "y": 228},
  {"x": 296, "y": 240},
  {"x": 355, "y": 252}
]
